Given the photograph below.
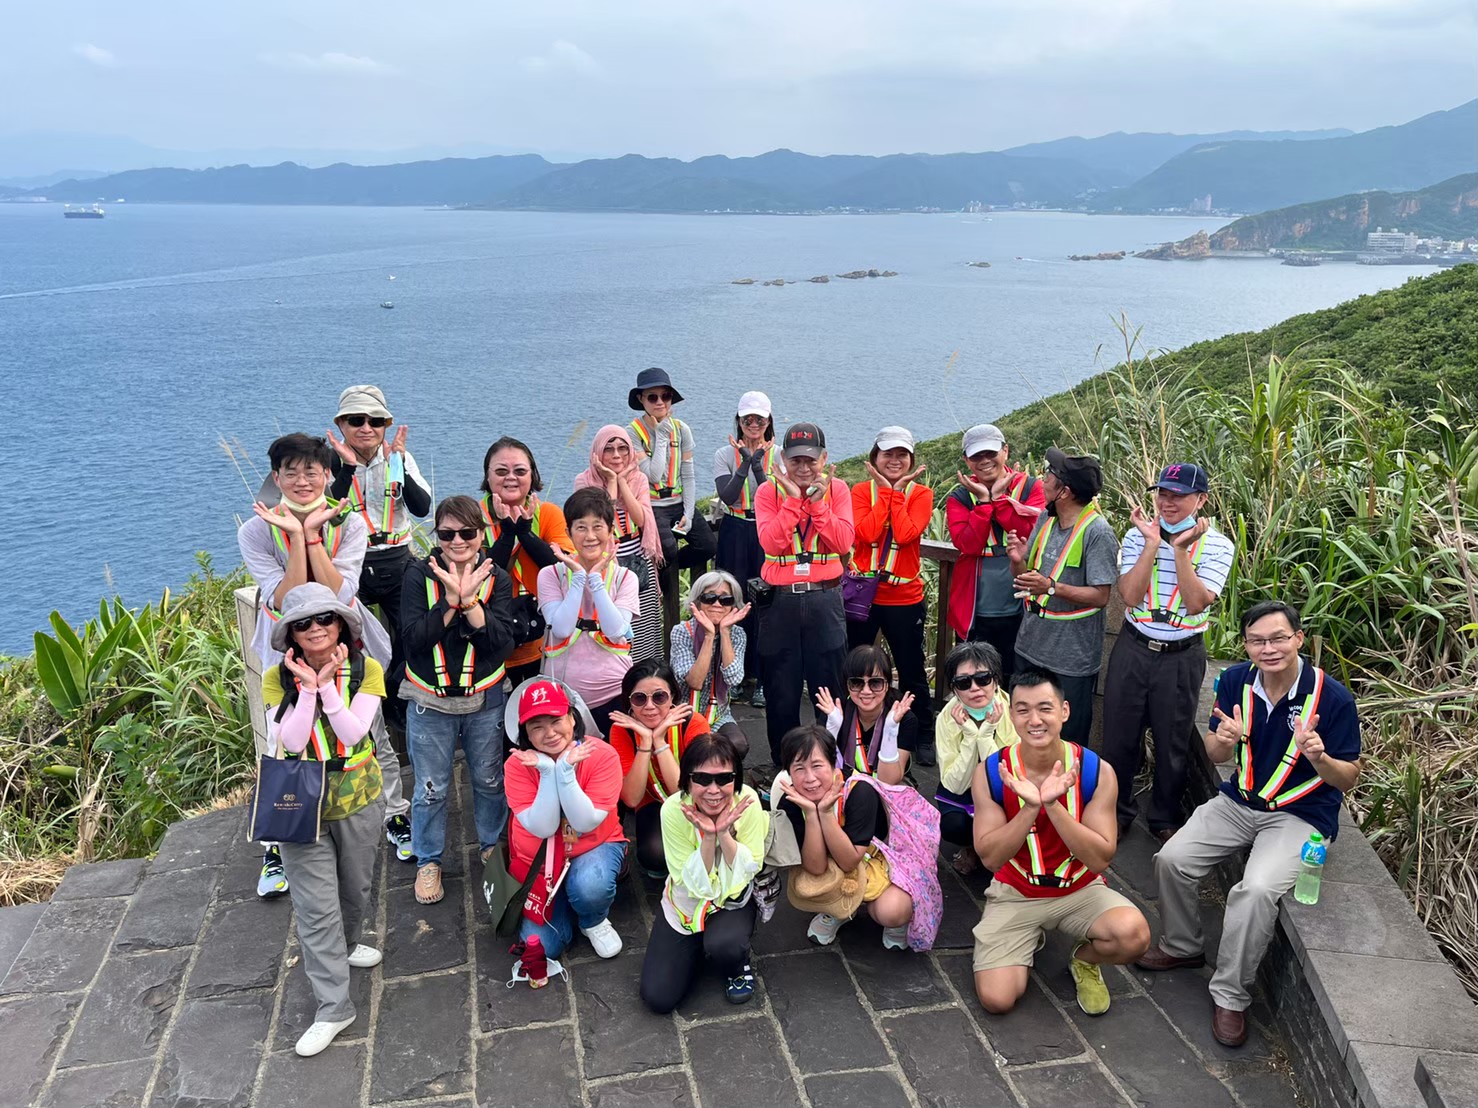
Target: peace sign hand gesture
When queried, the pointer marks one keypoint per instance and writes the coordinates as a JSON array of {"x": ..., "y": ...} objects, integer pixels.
[
  {"x": 905, "y": 702},
  {"x": 1229, "y": 728},
  {"x": 1310, "y": 744}
]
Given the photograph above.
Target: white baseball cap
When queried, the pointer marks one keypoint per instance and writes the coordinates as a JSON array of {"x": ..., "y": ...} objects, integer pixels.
[
  {"x": 983, "y": 436},
  {"x": 890, "y": 438},
  {"x": 754, "y": 403}
]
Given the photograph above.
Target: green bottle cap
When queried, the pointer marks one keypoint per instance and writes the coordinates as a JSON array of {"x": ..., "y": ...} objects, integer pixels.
[{"x": 1315, "y": 837}]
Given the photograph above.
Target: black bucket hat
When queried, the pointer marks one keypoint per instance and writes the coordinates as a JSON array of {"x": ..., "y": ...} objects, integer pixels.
[{"x": 646, "y": 380}]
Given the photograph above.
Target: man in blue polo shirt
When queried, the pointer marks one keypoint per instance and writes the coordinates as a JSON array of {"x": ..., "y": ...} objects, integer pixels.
[
  {"x": 1294, "y": 735},
  {"x": 1172, "y": 567}
]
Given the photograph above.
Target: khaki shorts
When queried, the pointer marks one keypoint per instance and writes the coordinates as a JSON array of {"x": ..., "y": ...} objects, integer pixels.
[{"x": 1012, "y": 924}]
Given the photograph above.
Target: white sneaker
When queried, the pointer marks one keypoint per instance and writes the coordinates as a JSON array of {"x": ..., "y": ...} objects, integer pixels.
[
  {"x": 823, "y": 929},
  {"x": 363, "y": 957},
  {"x": 604, "y": 938},
  {"x": 316, "y": 1039},
  {"x": 895, "y": 938}
]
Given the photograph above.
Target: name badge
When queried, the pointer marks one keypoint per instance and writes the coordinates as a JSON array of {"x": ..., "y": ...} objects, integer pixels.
[{"x": 803, "y": 569}]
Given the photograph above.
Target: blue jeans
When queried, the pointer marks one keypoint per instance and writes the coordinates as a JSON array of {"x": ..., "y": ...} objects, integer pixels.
[
  {"x": 432, "y": 738},
  {"x": 585, "y": 897}
]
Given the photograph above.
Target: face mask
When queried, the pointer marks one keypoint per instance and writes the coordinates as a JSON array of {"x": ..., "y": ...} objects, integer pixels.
[
  {"x": 1177, "y": 528},
  {"x": 977, "y": 714},
  {"x": 294, "y": 506}
]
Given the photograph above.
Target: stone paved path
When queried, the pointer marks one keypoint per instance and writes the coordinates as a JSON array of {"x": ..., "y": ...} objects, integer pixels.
[{"x": 167, "y": 983}]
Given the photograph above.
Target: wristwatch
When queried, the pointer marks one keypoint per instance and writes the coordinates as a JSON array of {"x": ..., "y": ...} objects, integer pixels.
[{"x": 1051, "y": 587}]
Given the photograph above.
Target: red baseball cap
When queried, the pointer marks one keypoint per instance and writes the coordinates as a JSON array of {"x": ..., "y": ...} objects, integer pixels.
[{"x": 542, "y": 698}]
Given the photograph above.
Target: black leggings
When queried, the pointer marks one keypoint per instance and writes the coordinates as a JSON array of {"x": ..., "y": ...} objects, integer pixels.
[
  {"x": 649, "y": 853},
  {"x": 956, "y": 826},
  {"x": 674, "y": 961}
]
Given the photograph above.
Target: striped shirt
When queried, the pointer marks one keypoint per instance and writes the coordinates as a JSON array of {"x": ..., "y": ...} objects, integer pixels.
[{"x": 1147, "y": 615}]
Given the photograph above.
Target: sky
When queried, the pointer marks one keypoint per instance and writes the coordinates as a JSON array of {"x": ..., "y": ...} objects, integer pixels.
[{"x": 683, "y": 79}]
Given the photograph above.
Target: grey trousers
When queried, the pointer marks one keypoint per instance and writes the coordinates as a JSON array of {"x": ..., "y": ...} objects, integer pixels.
[
  {"x": 1216, "y": 830},
  {"x": 330, "y": 882},
  {"x": 395, "y": 802}
]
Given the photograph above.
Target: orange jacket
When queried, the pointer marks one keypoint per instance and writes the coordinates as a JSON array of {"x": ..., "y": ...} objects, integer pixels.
[{"x": 907, "y": 511}]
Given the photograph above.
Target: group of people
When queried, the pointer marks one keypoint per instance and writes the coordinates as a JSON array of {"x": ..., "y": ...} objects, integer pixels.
[{"x": 593, "y": 703}]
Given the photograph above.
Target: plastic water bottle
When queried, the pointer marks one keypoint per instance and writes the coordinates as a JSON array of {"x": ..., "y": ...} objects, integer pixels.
[{"x": 1310, "y": 870}]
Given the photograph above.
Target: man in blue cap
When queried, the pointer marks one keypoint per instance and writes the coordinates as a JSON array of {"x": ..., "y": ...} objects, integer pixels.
[{"x": 1172, "y": 567}]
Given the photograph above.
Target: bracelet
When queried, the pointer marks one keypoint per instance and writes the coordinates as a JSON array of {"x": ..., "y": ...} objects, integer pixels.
[
  {"x": 644, "y": 750},
  {"x": 316, "y": 542}
]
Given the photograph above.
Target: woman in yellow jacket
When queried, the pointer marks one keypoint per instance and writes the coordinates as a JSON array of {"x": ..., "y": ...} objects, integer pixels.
[{"x": 973, "y": 724}]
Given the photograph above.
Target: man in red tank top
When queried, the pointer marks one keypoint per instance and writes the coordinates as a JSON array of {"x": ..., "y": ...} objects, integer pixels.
[{"x": 1045, "y": 823}]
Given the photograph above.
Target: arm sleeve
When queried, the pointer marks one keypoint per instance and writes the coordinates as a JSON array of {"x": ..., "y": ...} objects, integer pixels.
[
  {"x": 561, "y": 611},
  {"x": 351, "y": 722},
  {"x": 537, "y": 549},
  {"x": 413, "y": 489},
  {"x": 727, "y": 483},
  {"x": 655, "y": 464},
  {"x": 541, "y": 817},
  {"x": 343, "y": 479},
  {"x": 734, "y": 672},
  {"x": 687, "y": 473},
  {"x": 834, "y": 722},
  {"x": 578, "y": 808},
  {"x": 888, "y": 743},
  {"x": 614, "y": 623},
  {"x": 501, "y": 552},
  {"x": 295, "y": 727}
]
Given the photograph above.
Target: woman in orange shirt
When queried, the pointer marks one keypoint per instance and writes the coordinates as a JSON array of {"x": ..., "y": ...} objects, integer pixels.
[{"x": 891, "y": 512}]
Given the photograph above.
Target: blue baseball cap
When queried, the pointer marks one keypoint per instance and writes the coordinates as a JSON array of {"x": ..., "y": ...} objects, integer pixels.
[{"x": 1183, "y": 477}]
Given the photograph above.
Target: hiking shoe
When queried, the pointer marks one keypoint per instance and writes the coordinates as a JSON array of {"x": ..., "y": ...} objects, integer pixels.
[
  {"x": 740, "y": 987},
  {"x": 363, "y": 957},
  {"x": 1093, "y": 994},
  {"x": 758, "y": 699},
  {"x": 273, "y": 880},
  {"x": 604, "y": 938},
  {"x": 428, "y": 884},
  {"x": 823, "y": 929},
  {"x": 925, "y": 755},
  {"x": 895, "y": 938},
  {"x": 398, "y": 835},
  {"x": 316, "y": 1039}
]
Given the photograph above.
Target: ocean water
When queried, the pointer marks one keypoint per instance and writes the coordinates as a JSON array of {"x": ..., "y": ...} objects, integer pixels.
[{"x": 133, "y": 347}]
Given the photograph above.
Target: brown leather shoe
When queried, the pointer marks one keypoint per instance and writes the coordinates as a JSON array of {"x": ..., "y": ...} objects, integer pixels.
[
  {"x": 1155, "y": 959},
  {"x": 1228, "y": 1027}
]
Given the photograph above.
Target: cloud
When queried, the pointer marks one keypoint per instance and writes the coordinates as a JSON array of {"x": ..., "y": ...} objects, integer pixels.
[
  {"x": 95, "y": 54},
  {"x": 331, "y": 61},
  {"x": 562, "y": 55}
]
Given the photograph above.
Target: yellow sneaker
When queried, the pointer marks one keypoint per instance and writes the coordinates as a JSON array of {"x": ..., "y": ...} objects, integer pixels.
[{"x": 1093, "y": 994}]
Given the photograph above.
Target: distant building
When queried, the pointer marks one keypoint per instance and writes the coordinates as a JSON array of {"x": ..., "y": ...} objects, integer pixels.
[
  {"x": 1390, "y": 242},
  {"x": 1201, "y": 205},
  {"x": 974, "y": 207}
]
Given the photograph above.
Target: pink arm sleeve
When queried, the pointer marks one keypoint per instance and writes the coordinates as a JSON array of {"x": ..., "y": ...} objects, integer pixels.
[
  {"x": 293, "y": 731},
  {"x": 350, "y": 723}
]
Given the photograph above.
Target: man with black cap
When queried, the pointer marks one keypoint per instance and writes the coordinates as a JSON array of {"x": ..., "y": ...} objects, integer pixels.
[
  {"x": 1172, "y": 566},
  {"x": 664, "y": 446},
  {"x": 1064, "y": 570},
  {"x": 804, "y": 518}
]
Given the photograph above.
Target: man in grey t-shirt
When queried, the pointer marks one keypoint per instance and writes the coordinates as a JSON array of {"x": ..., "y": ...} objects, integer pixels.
[{"x": 1065, "y": 570}]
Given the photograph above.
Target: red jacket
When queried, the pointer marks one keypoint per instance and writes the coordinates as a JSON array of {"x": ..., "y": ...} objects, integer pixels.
[
  {"x": 827, "y": 525},
  {"x": 978, "y": 530}
]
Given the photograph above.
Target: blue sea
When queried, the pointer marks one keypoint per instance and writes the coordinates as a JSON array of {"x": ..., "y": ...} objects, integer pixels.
[{"x": 148, "y": 358}]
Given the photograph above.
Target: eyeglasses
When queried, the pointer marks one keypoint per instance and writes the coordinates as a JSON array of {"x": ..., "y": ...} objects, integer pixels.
[
  {"x": 698, "y": 777},
  {"x": 1272, "y": 640},
  {"x": 517, "y": 471},
  {"x": 871, "y": 684},
  {"x": 360, "y": 420},
  {"x": 467, "y": 534},
  {"x": 658, "y": 397},
  {"x": 659, "y": 699},
  {"x": 323, "y": 619},
  {"x": 721, "y": 599},
  {"x": 981, "y": 678}
]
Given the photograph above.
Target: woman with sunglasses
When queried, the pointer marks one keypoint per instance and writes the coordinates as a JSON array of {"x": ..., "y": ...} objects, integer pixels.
[
  {"x": 708, "y": 652},
  {"x": 875, "y": 729},
  {"x": 740, "y": 468},
  {"x": 321, "y": 700},
  {"x": 458, "y": 632},
  {"x": 974, "y": 723},
  {"x": 521, "y": 530},
  {"x": 713, "y": 830},
  {"x": 650, "y": 737}
]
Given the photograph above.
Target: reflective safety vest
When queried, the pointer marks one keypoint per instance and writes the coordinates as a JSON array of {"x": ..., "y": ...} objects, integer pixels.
[
  {"x": 320, "y": 747},
  {"x": 1071, "y": 555},
  {"x": 866, "y": 554},
  {"x": 1044, "y": 861},
  {"x": 668, "y": 484},
  {"x": 805, "y": 540},
  {"x": 745, "y": 508},
  {"x": 385, "y": 534},
  {"x": 554, "y": 649},
  {"x": 1275, "y": 792},
  {"x": 493, "y": 527},
  {"x": 675, "y": 744},
  {"x": 864, "y": 754},
  {"x": 333, "y": 535},
  {"x": 464, "y": 684},
  {"x": 1168, "y": 607}
]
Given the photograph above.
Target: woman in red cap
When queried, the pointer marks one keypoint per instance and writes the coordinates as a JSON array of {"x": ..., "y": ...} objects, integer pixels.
[{"x": 562, "y": 788}]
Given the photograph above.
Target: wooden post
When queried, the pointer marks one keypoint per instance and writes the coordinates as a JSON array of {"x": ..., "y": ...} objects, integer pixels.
[{"x": 944, "y": 637}]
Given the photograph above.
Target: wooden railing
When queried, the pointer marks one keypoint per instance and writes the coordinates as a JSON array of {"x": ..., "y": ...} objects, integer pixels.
[{"x": 945, "y": 555}]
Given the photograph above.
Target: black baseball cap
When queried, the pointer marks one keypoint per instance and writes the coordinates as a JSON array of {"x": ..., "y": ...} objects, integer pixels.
[
  {"x": 803, "y": 438},
  {"x": 1081, "y": 473},
  {"x": 1183, "y": 477}
]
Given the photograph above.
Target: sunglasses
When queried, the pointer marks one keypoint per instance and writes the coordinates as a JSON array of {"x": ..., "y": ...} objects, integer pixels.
[
  {"x": 871, "y": 684},
  {"x": 360, "y": 420},
  {"x": 467, "y": 534},
  {"x": 698, "y": 777},
  {"x": 659, "y": 699},
  {"x": 985, "y": 456},
  {"x": 659, "y": 397},
  {"x": 323, "y": 619},
  {"x": 721, "y": 599},
  {"x": 757, "y": 419},
  {"x": 980, "y": 679}
]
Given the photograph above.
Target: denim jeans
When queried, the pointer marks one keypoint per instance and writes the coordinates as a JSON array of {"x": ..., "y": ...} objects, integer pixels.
[
  {"x": 585, "y": 897},
  {"x": 432, "y": 738}
]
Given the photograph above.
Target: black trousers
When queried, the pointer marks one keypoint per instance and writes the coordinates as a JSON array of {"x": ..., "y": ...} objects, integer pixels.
[
  {"x": 956, "y": 826},
  {"x": 380, "y": 583},
  {"x": 1000, "y": 632},
  {"x": 803, "y": 641},
  {"x": 1161, "y": 691},
  {"x": 648, "y": 826},
  {"x": 674, "y": 960},
  {"x": 738, "y": 552},
  {"x": 697, "y": 549},
  {"x": 902, "y": 626}
]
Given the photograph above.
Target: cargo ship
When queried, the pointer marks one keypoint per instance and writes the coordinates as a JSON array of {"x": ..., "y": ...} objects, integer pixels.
[{"x": 93, "y": 212}]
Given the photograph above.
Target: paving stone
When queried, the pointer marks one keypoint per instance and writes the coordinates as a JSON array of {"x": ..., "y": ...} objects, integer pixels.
[
  {"x": 33, "y": 1028},
  {"x": 808, "y": 991},
  {"x": 202, "y": 841},
  {"x": 420, "y": 938},
  {"x": 332, "y": 1079},
  {"x": 299, "y": 1005},
  {"x": 423, "y": 1042},
  {"x": 453, "y": 859},
  {"x": 943, "y": 1061},
  {"x": 529, "y": 1069},
  {"x": 16, "y": 926},
  {"x": 873, "y": 1088},
  {"x": 1447, "y": 1080},
  {"x": 1359, "y": 919},
  {"x": 627, "y": 918},
  {"x": 1077, "y": 1085},
  {"x": 740, "y": 1062},
  {"x": 786, "y": 931},
  {"x": 961, "y": 913},
  {"x": 128, "y": 1009},
  {"x": 117, "y": 1085},
  {"x": 242, "y": 947},
  {"x": 1184, "y": 995},
  {"x": 619, "y": 1034},
  {"x": 889, "y": 978},
  {"x": 500, "y": 1007},
  {"x": 1169, "y": 1075},
  {"x": 168, "y": 910},
  {"x": 1343, "y": 984},
  {"x": 706, "y": 999},
  {"x": 239, "y": 872},
  {"x": 656, "y": 1090},
  {"x": 1051, "y": 968},
  {"x": 213, "y": 1052},
  {"x": 1033, "y": 1031},
  {"x": 1134, "y": 861},
  {"x": 1265, "y": 1085},
  {"x": 66, "y": 947},
  {"x": 97, "y": 879},
  {"x": 1385, "y": 1075}
]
